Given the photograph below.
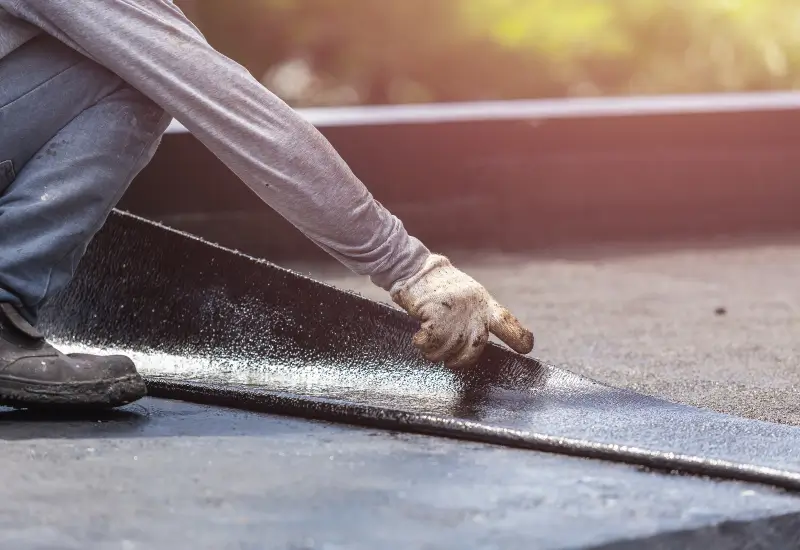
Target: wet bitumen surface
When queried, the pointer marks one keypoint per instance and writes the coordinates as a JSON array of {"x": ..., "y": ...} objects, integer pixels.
[
  {"x": 712, "y": 323},
  {"x": 201, "y": 314},
  {"x": 165, "y": 474}
]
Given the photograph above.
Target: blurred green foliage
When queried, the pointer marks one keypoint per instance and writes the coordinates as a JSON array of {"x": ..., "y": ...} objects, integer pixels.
[{"x": 316, "y": 52}]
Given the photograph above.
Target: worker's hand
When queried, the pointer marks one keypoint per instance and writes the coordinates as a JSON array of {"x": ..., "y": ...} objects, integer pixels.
[{"x": 457, "y": 314}]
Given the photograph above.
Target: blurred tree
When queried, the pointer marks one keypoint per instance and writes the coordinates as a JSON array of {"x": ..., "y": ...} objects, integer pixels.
[{"x": 359, "y": 51}]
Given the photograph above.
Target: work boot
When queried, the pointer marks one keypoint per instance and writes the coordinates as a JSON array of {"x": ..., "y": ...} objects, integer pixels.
[{"x": 33, "y": 374}]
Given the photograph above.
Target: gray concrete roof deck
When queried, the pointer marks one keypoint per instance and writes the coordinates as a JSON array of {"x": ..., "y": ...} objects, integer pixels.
[{"x": 170, "y": 475}]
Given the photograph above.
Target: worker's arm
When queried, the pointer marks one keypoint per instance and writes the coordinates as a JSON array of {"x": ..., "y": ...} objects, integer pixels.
[{"x": 280, "y": 156}]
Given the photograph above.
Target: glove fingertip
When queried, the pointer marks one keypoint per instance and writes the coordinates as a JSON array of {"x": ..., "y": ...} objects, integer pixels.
[
  {"x": 523, "y": 344},
  {"x": 424, "y": 340},
  {"x": 509, "y": 329}
]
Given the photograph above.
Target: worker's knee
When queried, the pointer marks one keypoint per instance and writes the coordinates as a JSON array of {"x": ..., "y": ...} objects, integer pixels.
[
  {"x": 136, "y": 115},
  {"x": 47, "y": 87},
  {"x": 58, "y": 101}
]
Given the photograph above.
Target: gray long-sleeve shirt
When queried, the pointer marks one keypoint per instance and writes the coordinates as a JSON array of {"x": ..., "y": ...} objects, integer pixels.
[{"x": 280, "y": 156}]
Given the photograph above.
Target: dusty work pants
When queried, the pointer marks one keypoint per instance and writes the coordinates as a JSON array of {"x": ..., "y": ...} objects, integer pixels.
[{"x": 72, "y": 138}]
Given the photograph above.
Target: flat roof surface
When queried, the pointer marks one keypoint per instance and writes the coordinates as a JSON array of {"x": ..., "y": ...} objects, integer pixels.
[
  {"x": 713, "y": 324},
  {"x": 164, "y": 474}
]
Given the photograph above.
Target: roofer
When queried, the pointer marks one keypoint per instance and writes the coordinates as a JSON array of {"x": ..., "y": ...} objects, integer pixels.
[{"x": 86, "y": 91}]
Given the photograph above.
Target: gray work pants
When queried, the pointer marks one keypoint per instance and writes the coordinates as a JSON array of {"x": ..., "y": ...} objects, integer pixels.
[{"x": 73, "y": 136}]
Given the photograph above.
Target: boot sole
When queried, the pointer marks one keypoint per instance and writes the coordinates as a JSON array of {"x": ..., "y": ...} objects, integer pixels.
[{"x": 106, "y": 394}]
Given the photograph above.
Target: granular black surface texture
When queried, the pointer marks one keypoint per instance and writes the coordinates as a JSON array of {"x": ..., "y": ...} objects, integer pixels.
[{"x": 210, "y": 325}]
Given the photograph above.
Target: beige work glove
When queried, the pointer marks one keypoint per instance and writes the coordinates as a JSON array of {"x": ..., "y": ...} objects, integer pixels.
[{"x": 457, "y": 314}]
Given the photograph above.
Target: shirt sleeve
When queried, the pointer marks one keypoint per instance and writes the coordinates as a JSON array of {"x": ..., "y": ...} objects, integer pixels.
[{"x": 279, "y": 155}]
